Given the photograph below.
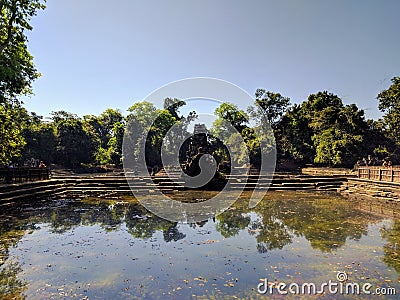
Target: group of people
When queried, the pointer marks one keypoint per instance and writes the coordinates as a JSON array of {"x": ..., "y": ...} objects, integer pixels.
[
  {"x": 387, "y": 163},
  {"x": 33, "y": 163},
  {"x": 373, "y": 161}
]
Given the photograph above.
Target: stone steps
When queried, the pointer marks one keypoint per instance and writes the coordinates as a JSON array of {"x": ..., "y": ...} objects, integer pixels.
[
  {"x": 12, "y": 192},
  {"x": 368, "y": 189},
  {"x": 14, "y": 186},
  {"x": 40, "y": 193},
  {"x": 119, "y": 185}
]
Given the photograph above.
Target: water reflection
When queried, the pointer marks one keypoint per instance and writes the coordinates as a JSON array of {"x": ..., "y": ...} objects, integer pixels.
[
  {"x": 327, "y": 223},
  {"x": 10, "y": 286},
  {"x": 392, "y": 248}
]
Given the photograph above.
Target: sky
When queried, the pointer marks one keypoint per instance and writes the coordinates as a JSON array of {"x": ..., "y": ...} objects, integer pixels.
[{"x": 99, "y": 54}]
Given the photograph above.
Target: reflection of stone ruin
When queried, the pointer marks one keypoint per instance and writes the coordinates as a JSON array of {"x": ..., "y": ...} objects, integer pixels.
[{"x": 198, "y": 145}]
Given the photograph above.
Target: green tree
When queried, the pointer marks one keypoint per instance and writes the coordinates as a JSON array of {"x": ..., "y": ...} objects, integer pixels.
[
  {"x": 107, "y": 121},
  {"x": 267, "y": 113},
  {"x": 228, "y": 112},
  {"x": 139, "y": 121},
  {"x": 378, "y": 143},
  {"x": 323, "y": 130},
  {"x": 173, "y": 106},
  {"x": 179, "y": 131},
  {"x": 272, "y": 105},
  {"x": 40, "y": 140},
  {"x": 226, "y": 131},
  {"x": 253, "y": 146},
  {"x": 17, "y": 72},
  {"x": 232, "y": 127},
  {"x": 103, "y": 127},
  {"x": 389, "y": 104},
  {"x": 12, "y": 120},
  {"x": 76, "y": 144},
  {"x": 294, "y": 137},
  {"x": 115, "y": 144},
  {"x": 155, "y": 139},
  {"x": 339, "y": 135}
]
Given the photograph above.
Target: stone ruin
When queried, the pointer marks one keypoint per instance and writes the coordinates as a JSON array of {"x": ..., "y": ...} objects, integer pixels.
[{"x": 198, "y": 145}]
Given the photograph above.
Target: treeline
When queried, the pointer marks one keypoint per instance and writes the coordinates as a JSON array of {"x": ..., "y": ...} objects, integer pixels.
[
  {"x": 72, "y": 141},
  {"x": 320, "y": 131}
]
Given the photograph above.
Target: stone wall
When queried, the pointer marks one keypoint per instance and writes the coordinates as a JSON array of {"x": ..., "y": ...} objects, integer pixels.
[
  {"x": 370, "y": 189},
  {"x": 314, "y": 171}
]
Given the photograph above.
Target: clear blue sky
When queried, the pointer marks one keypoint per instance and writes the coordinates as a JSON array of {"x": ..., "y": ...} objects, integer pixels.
[{"x": 95, "y": 54}]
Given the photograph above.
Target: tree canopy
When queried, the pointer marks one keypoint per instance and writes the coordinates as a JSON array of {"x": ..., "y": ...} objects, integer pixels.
[
  {"x": 17, "y": 72},
  {"x": 389, "y": 104},
  {"x": 321, "y": 130}
]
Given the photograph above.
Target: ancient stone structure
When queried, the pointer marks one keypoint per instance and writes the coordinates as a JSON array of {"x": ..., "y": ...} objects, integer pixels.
[
  {"x": 198, "y": 146},
  {"x": 198, "y": 140},
  {"x": 371, "y": 189}
]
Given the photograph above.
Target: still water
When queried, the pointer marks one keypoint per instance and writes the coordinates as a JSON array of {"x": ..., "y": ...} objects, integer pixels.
[{"x": 116, "y": 249}]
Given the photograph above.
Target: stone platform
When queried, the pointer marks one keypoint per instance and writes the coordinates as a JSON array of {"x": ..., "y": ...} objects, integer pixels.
[{"x": 103, "y": 186}]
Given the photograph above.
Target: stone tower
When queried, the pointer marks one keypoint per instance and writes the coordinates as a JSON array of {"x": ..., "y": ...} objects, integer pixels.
[{"x": 198, "y": 144}]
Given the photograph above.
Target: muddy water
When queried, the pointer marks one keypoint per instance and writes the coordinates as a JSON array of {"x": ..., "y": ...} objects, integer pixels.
[{"x": 115, "y": 249}]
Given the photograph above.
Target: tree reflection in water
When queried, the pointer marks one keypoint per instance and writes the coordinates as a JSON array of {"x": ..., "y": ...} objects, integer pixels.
[
  {"x": 233, "y": 220},
  {"x": 326, "y": 222},
  {"x": 10, "y": 286},
  {"x": 392, "y": 248}
]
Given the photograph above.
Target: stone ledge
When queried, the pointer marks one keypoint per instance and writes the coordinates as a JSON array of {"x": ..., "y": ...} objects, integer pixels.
[{"x": 384, "y": 183}]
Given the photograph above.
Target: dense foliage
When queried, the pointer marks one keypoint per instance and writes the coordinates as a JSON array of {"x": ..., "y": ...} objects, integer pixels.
[
  {"x": 324, "y": 131},
  {"x": 320, "y": 131},
  {"x": 17, "y": 72},
  {"x": 389, "y": 104}
]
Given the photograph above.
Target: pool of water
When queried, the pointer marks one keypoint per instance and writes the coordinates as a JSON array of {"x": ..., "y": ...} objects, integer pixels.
[{"x": 116, "y": 249}]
